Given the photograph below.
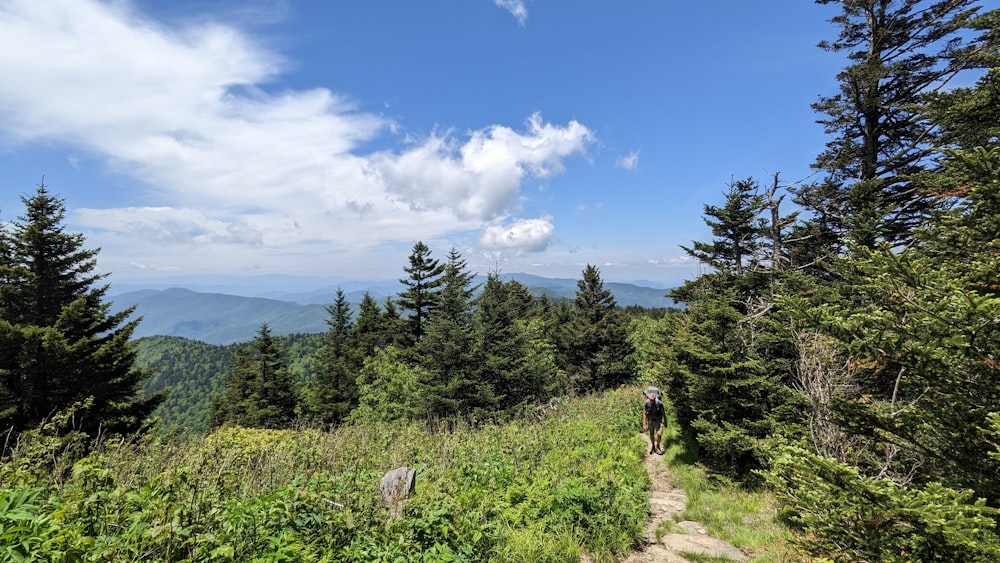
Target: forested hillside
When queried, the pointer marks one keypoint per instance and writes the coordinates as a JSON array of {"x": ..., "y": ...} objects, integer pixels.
[{"x": 192, "y": 372}]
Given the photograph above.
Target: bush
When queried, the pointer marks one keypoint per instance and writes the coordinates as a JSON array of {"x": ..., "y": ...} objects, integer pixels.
[{"x": 848, "y": 517}]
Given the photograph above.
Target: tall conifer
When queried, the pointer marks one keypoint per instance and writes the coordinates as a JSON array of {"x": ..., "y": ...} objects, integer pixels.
[{"x": 61, "y": 344}]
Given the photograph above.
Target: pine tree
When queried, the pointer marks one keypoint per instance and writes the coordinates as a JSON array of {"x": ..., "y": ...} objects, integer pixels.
[
  {"x": 923, "y": 334},
  {"x": 595, "y": 343},
  {"x": 420, "y": 296},
  {"x": 259, "y": 389},
  {"x": 920, "y": 483},
  {"x": 369, "y": 332},
  {"x": 737, "y": 227},
  {"x": 503, "y": 352},
  {"x": 394, "y": 325},
  {"x": 901, "y": 51},
  {"x": 334, "y": 392},
  {"x": 60, "y": 342},
  {"x": 445, "y": 350},
  {"x": 731, "y": 383}
]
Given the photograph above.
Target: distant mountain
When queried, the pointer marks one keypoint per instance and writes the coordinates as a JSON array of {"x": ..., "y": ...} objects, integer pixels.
[
  {"x": 217, "y": 318},
  {"x": 222, "y": 318},
  {"x": 554, "y": 288}
]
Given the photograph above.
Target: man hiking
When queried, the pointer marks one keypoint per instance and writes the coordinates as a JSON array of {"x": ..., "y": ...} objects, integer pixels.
[{"x": 653, "y": 418}]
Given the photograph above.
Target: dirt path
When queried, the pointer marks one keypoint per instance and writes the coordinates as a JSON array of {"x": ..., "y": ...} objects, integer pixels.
[{"x": 676, "y": 538}]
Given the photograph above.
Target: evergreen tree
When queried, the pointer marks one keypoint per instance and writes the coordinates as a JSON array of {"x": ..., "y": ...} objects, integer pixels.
[
  {"x": 733, "y": 350},
  {"x": 445, "y": 350},
  {"x": 370, "y": 332},
  {"x": 394, "y": 325},
  {"x": 595, "y": 343},
  {"x": 900, "y": 52},
  {"x": 334, "y": 392},
  {"x": 60, "y": 342},
  {"x": 503, "y": 350},
  {"x": 420, "y": 296},
  {"x": 970, "y": 117},
  {"x": 259, "y": 389},
  {"x": 737, "y": 227},
  {"x": 923, "y": 334},
  {"x": 920, "y": 483}
]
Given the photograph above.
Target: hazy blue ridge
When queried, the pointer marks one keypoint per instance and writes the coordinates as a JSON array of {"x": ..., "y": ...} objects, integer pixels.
[{"x": 225, "y": 318}]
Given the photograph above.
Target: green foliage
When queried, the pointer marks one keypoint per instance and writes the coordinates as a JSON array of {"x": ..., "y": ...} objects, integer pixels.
[
  {"x": 420, "y": 295},
  {"x": 259, "y": 388},
  {"x": 61, "y": 344},
  {"x": 387, "y": 390},
  {"x": 544, "y": 490},
  {"x": 922, "y": 332},
  {"x": 517, "y": 370},
  {"x": 845, "y": 516},
  {"x": 729, "y": 377},
  {"x": 737, "y": 228},
  {"x": 595, "y": 344},
  {"x": 899, "y": 53},
  {"x": 448, "y": 386},
  {"x": 332, "y": 394}
]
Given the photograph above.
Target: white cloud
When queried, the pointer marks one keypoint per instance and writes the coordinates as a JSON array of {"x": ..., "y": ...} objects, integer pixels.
[
  {"x": 168, "y": 225},
  {"x": 523, "y": 235},
  {"x": 234, "y": 172},
  {"x": 629, "y": 161},
  {"x": 480, "y": 178},
  {"x": 516, "y": 9}
]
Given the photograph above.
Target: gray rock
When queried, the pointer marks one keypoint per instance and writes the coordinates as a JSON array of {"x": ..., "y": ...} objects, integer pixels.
[{"x": 397, "y": 485}]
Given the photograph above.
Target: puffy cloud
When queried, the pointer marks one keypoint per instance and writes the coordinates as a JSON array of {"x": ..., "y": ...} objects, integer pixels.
[
  {"x": 524, "y": 235},
  {"x": 516, "y": 9},
  {"x": 481, "y": 177}
]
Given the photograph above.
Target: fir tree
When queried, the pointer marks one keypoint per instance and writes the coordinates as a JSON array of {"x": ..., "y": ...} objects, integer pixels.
[
  {"x": 503, "y": 351},
  {"x": 369, "y": 332},
  {"x": 737, "y": 228},
  {"x": 334, "y": 392},
  {"x": 445, "y": 350},
  {"x": 60, "y": 342},
  {"x": 420, "y": 296},
  {"x": 901, "y": 51},
  {"x": 595, "y": 343},
  {"x": 259, "y": 388}
]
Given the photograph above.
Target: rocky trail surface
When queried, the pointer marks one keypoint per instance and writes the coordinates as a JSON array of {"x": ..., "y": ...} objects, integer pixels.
[{"x": 676, "y": 538}]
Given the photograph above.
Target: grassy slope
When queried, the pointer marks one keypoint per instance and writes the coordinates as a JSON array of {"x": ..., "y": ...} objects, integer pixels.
[{"x": 528, "y": 491}]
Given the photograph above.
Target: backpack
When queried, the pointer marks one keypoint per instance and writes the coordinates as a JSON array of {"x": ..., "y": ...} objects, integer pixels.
[{"x": 659, "y": 401}]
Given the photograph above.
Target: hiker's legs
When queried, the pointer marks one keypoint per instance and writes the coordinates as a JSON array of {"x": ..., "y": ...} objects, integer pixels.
[{"x": 652, "y": 437}]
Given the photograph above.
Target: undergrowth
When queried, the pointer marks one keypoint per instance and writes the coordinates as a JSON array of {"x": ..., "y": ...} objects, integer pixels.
[{"x": 540, "y": 490}]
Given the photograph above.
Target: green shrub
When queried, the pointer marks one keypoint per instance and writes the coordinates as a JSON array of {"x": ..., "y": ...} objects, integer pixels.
[{"x": 848, "y": 517}]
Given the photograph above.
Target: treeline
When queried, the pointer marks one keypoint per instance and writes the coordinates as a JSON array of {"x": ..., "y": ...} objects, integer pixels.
[
  {"x": 845, "y": 353},
  {"x": 442, "y": 349}
]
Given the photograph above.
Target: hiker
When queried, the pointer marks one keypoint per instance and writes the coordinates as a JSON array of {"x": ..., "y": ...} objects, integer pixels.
[{"x": 653, "y": 418}]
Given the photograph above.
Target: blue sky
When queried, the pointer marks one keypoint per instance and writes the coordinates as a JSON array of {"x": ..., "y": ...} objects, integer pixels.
[{"x": 324, "y": 138}]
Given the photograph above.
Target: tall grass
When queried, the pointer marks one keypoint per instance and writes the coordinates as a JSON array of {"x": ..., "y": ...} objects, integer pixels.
[{"x": 532, "y": 490}]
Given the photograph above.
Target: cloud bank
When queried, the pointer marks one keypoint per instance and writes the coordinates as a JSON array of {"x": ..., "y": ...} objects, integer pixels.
[{"x": 238, "y": 173}]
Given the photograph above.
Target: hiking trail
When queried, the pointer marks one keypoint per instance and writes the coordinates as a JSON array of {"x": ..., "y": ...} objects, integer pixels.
[{"x": 665, "y": 502}]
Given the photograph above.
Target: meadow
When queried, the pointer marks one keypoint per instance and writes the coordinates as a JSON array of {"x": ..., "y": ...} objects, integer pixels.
[{"x": 549, "y": 488}]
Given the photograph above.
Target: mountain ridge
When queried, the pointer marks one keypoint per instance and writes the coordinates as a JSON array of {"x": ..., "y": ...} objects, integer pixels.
[{"x": 224, "y": 318}]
